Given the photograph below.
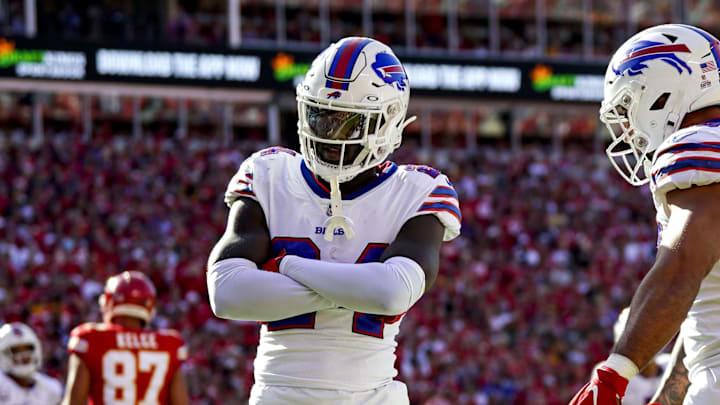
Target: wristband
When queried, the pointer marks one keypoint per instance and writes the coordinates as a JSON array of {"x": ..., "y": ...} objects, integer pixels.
[{"x": 622, "y": 365}]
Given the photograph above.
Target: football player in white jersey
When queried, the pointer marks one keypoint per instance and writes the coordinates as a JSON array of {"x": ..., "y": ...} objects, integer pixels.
[
  {"x": 20, "y": 357},
  {"x": 662, "y": 107},
  {"x": 351, "y": 241}
]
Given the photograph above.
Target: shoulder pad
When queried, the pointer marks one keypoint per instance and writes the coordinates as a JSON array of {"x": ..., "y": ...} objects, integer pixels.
[
  {"x": 441, "y": 199},
  {"x": 87, "y": 328},
  {"x": 690, "y": 157},
  {"x": 427, "y": 171},
  {"x": 170, "y": 333},
  {"x": 243, "y": 182}
]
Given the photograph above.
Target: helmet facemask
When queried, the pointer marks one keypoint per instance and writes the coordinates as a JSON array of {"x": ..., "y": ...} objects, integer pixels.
[
  {"x": 343, "y": 141},
  {"x": 636, "y": 133},
  {"x": 24, "y": 359},
  {"x": 629, "y": 149}
]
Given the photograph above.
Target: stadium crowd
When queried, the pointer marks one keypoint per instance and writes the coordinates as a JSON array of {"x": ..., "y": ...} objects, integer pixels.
[
  {"x": 550, "y": 245},
  {"x": 205, "y": 23}
]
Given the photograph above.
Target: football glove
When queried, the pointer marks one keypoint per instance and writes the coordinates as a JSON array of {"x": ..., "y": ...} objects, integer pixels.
[
  {"x": 274, "y": 263},
  {"x": 606, "y": 388}
]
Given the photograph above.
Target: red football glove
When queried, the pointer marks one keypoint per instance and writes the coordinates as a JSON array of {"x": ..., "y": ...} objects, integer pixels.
[
  {"x": 274, "y": 263},
  {"x": 606, "y": 388}
]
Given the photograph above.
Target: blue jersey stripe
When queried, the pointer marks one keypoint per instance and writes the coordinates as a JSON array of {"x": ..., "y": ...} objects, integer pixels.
[
  {"x": 314, "y": 185},
  {"x": 691, "y": 146},
  {"x": 322, "y": 192},
  {"x": 441, "y": 206},
  {"x": 445, "y": 191},
  {"x": 689, "y": 164}
]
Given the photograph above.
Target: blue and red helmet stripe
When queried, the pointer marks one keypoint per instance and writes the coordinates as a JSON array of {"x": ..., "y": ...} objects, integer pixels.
[
  {"x": 344, "y": 62},
  {"x": 656, "y": 49}
]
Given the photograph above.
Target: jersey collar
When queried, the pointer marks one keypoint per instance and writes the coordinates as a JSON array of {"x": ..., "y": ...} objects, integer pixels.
[
  {"x": 712, "y": 122},
  {"x": 386, "y": 170}
]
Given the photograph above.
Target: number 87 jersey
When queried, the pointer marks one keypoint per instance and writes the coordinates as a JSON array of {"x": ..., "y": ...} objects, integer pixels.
[{"x": 128, "y": 366}]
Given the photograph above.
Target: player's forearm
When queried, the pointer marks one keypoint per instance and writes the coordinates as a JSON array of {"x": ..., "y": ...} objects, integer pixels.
[
  {"x": 388, "y": 288},
  {"x": 178, "y": 389},
  {"x": 238, "y": 290},
  {"x": 77, "y": 387},
  {"x": 658, "y": 308},
  {"x": 675, "y": 382}
]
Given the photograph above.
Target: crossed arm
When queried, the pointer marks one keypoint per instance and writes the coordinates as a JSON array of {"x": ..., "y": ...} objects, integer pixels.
[{"x": 238, "y": 291}]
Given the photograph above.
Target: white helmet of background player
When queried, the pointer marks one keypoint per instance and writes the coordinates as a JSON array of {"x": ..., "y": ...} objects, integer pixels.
[
  {"x": 20, "y": 350},
  {"x": 652, "y": 81},
  {"x": 351, "y": 107}
]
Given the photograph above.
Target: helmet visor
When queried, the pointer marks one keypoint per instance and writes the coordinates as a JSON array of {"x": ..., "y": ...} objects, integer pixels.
[
  {"x": 23, "y": 354},
  {"x": 338, "y": 125}
]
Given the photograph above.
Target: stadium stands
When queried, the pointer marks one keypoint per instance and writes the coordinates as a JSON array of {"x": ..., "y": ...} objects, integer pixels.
[{"x": 524, "y": 28}]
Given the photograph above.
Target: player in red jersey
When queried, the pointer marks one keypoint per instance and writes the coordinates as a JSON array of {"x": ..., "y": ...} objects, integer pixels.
[{"x": 119, "y": 362}]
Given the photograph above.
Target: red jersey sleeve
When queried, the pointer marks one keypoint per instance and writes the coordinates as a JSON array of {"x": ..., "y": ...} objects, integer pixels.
[
  {"x": 171, "y": 342},
  {"x": 79, "y": 343}
]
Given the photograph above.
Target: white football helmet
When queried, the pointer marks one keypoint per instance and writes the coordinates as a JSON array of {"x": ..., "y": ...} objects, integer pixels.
[
  {"x": 24, "y": 363},
  {"x": 351, "y": 108},
  {"x": 351, "y": 114},
  {"x": 654, "y": 79}
]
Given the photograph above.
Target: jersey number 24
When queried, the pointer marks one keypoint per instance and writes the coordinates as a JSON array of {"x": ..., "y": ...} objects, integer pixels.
[{"x": 364, "y": 324}]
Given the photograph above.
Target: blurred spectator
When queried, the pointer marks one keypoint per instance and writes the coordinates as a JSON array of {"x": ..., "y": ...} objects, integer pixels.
[{"x": 205, "y": 22}]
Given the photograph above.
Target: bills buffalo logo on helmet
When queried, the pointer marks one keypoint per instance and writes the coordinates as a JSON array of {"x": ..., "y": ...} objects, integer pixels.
[
  {"x": 389, "y": 69},
  {"x": 643, "y": 51},
  {"x": 334, "y": 94}
]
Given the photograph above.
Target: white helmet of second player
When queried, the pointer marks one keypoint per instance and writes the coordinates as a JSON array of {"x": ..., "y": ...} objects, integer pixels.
[
  {"x": 351, "y": 108},
  {"x": 654, "y": 79},
  {"x": 21, "y": 363}
]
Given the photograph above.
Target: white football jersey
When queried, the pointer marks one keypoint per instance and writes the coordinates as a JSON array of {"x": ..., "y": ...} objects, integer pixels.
[
  {"x": 336, "y": 349},
  {"x": 46, "y": 391},
  {"x": 640, "y": 390},
  {"x": 689, "y": 158}
]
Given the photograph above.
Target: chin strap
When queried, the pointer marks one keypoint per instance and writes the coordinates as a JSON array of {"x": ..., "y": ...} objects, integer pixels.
[
  {"x": 647, "y": 167},
  {"x": 337, "y": 220}
]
